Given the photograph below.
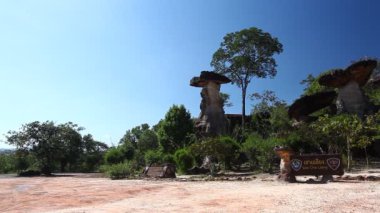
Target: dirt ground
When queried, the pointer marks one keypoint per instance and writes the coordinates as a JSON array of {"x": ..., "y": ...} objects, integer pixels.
[{"x": 80, "y": 193}]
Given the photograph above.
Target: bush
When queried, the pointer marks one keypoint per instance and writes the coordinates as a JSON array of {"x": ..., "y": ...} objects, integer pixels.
[
  {"x": 184, "y": 160},
  {"x": 168, "y": 158},
  {"x": 127, "y": 150},
  {"x": 114, "y": 156},
  {"x": 260, "y": 151},
  {"x": 7, "y": 163},
  {"x": 139, "y": 159},
  {"x": 229, "y": 150},
  {"x": 118, "y": 171},
  {"x": 224, "y": 149},
  {"x": 152, "y": 157}
]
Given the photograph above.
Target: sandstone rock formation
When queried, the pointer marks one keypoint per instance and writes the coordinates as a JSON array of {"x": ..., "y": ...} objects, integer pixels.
[
  {"x": 212, "y": 120},
  {"x": 350, "y": 97},
  {"x": 306, "y": 105}
]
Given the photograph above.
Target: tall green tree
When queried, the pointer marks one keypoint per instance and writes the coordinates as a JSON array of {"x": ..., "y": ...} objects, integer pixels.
[
  {"x": 148, "y": 141},
  {"x": 140, "y": 137},
  {"x": 40, "y": 139},
  {"x": 70, "y": 144},
  {"x": 133, "y": 135},
  {"x": 174, "y": 131},
  {"x": 246, "y": 54},
  {"x": 93, "y": 153},
  {"x": 48, "y": 143}
]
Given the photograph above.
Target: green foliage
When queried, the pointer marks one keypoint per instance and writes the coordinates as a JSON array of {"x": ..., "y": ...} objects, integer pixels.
[
  {"x": 139, "y": 159},
  {"x": 157, "y": 157},
  {"x": 281, "y": 125},
  {"x": 153, "y": 156},
  {"x": 47, "y": 146},
  {"x": 225, "y": 99},
  {"x": 349, "y": 128},
  {"x": 224, "y": 149},
  {"x": 42, "y": 140},
  {"x": 312, "y": 85},
  {"x": 148, "y": 141},
  {"x": 246, "y": 54},
  {"x": 93, "y": 153},
  {"x": 114, "y": 156},
  {"x": 373, "y": 93},
  {"x": 174, "y": 130},
  {"x": 168, "y": 158},
  {"x": 118, "y": 171},
  {"x": 7, "y": 163},
  {"x": 270, "y": 115},
  {"x": 128, "y": 151},
  {"x": 132, "y": 136},
  {"x": 260, "y": 151},
  {"x": 138, "y": 145},
  {"x": 70, "y": 144},
  {"x": 184, "y": 160}
]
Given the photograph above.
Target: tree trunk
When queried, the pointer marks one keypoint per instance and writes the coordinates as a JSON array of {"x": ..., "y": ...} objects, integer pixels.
[
  {"x": 243, "y": 92},
  {"x": 366, "y": 157},
  {"x": 348, "y": 155}
]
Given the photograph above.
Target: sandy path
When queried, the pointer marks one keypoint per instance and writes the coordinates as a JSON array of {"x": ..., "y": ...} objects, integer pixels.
[{"x": 72, "y": 194}]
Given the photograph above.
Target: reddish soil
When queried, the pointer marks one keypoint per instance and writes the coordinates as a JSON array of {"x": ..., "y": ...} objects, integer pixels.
[{"x": 264, "y": 194}]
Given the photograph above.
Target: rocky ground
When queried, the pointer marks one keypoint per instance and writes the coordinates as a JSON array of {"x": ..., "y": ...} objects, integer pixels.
[{"x": 253, "y": 193}]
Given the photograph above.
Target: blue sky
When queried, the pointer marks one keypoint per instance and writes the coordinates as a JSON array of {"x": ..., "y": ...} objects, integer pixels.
[{"x": 110, "y": 65}]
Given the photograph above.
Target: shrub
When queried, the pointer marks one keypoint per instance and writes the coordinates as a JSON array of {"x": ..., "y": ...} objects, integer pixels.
[
  {"x": 118, "y": 171},
  {"x": 7, "y": 163},
  {"x": 260, "y": 151},
  {"x": 114, "y": 156},
  {"x": 168, "y": 158},
  {"x": 228, "y": 151},
  {"x": 224, "y": 149},
  {"x": 184, "y": 160},
  {"x": 139, "y": 159},
  {"x": 127, "y": 150},
  {"x": 152, "y": 157}
]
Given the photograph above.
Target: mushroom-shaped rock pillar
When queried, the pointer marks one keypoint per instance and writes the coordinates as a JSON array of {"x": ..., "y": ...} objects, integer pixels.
[
  {"x": 349, "y": 82},
  {"x": 212, "y": 120},
  {"x": 304, "y": 106}
]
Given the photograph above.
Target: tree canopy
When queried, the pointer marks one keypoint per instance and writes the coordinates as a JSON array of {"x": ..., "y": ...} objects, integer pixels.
[
  {"x": 50, "y": 144},
  {"x": 246, "y": 54},
  {"x": 174, "y": 130}
]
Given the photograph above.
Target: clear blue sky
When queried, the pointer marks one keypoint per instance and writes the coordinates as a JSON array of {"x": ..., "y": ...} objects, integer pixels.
[{"x": 110, "y": 65}]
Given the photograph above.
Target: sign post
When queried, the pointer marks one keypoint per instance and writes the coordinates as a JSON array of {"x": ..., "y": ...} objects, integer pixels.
[{"x": 316, "y": 164}]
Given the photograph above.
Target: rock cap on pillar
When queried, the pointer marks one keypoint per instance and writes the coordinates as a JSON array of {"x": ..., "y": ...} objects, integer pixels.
[
  {"x": 360, "y": 72},
  {"x": 302, "y": 107},
  {"x": 207, "y": 76}
]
